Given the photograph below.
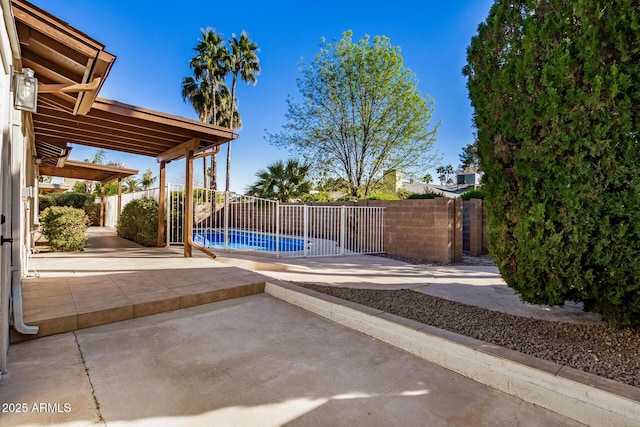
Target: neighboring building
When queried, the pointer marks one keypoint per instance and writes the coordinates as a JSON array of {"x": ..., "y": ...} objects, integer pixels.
[
  {"x": 469, "y": 179},
  {"x": 465, "y": 182}
]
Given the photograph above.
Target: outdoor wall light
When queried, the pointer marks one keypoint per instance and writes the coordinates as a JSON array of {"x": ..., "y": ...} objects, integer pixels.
[
  {"x": 37, "y": 160},
  {"x": 26, "y": 91}
]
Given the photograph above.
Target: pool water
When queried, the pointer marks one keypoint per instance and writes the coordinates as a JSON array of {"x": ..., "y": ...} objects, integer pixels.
[{"x": 247, "y": 240}]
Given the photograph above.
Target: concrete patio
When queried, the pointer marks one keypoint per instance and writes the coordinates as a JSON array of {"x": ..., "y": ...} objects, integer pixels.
[
  {"x": 144, "y": 336},
  {"x": 114, "y": 279},
  {"x": 244, "y": 362}
]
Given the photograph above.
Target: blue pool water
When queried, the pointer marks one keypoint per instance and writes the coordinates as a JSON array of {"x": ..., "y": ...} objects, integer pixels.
[{"x": 246, "y": 240}]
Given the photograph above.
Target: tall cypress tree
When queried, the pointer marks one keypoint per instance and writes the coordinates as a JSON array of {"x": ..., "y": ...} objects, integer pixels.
[{"x": 556, "y": 94}]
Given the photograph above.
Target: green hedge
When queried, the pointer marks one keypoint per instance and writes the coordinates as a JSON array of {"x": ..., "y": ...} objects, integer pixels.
[
  {"x": 138, "y": 222},
  {"x": 555, "y": 90},
  {"x": 74, "y": 200},
  {"x": 93, "y": 212},
  {"x": 382, "y": 196},
  {"x": 64, "y": 227},
  {"x": 472, "y": 194},
  {"x": 429, "y": 195}
]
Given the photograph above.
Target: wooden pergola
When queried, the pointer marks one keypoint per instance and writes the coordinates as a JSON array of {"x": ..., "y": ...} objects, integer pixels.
[
  {"x": 71, "y": 67},
  {"x": 103, "y": 174}
]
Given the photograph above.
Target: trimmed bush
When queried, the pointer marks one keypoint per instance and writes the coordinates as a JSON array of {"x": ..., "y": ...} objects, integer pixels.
[
  {"x": 429, "y": 195},
  {"x": 74, "y": 200},
  {"x": 64, "y": 227},
  {"x": 382, "y": 196},
  {"x": 555, "y": 90},
  {"x": 138, "y": 222},
  {"x": 93, "y": 212},
  {"x": 472, "y": 194}
]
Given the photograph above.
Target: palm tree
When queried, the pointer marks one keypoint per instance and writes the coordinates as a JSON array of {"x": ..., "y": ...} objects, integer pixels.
[
  {"x": 223, "y": 101},
  {"x": 441, "y": 174},
  {"x": 147, "y": 179},
  {"x": 281, "y": 181},
  {"x": 449, "y": 171},
  {"x": 210, "y": 66},
  {"x": 97, "y": 159},
  {"x": 198, "y": 93},
  {"x": 204, "y": 88},
  {"x": 242, "y": 62},
  {"x": 131, "y": 185}
]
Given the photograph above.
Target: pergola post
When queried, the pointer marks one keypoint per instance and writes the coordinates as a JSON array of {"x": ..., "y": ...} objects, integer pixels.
[
  {"x": 119, "y": 199},
  {"x": 161, "y": 204},
  {"x": 101, "y": 204},
  {"x": 188, "y": 206}
]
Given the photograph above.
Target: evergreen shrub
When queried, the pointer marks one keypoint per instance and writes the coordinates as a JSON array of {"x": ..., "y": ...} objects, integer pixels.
[
  {"x": 138, "y": 222},
  {"x": 472, "y": 194},
  {"x": 427, "y": 195},
  {"x": 64, "y": 227},
  {"x": 555, "y": 90},
  {"x": 74, "y": 200}
]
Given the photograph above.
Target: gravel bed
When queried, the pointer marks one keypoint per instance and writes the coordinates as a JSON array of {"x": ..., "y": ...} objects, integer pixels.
[
  {"x": 599, "y": 349},
  {"x": 485, "y": 260}
]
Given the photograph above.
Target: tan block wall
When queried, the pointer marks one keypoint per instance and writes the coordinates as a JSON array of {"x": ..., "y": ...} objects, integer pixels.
[
  {"x": 428, "y": 229},
  {"x": 475, "y": 228}
]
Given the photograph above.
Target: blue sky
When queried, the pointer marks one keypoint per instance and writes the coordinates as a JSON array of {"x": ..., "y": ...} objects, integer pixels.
[{"x": 154, "y": 40}]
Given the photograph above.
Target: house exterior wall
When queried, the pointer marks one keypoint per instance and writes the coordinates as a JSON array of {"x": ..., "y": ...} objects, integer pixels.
[
  {"x": 17, "y": 177},
  {"x": 7, "y": 55}
]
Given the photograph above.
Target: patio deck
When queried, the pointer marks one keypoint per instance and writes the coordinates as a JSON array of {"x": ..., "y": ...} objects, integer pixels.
[{"x": 114, "y": 279}]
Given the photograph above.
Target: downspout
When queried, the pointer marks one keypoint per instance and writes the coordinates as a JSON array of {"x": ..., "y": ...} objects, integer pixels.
[{"x": 17, "y": 143}]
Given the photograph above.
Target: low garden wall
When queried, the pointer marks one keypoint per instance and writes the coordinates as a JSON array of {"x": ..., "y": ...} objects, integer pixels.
[
  {"x": 474, "y": 228},
  {"x": 422, "y": 228}
]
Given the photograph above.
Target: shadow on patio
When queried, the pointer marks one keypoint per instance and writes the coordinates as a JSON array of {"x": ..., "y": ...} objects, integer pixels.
[{"x": 114, "y": 279}]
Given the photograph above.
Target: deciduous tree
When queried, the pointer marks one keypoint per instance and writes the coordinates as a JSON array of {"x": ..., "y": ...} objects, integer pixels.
[{"x": 360, "y": 114}]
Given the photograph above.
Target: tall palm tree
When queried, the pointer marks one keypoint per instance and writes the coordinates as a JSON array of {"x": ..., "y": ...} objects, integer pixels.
[
  {"x": 210, "y": 65},
  {"x": 147, "y": 179},
  {"x": 198, "y": 94},
  {"x": 282, "y": 181},
  {"x": 242, "y": 62},
  {"x": 223, "y": 101},
  {"x": 202, "y": 90}
]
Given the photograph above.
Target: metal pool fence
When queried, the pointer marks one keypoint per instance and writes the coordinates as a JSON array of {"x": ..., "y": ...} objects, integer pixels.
[{"x": 232, "y": 221}]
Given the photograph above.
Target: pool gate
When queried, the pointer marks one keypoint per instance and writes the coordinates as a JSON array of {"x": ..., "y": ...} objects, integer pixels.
[{"x": 231, "y": 221}]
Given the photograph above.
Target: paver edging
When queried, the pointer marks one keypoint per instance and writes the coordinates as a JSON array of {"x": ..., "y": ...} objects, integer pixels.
[{"x": 583, "y": 397}]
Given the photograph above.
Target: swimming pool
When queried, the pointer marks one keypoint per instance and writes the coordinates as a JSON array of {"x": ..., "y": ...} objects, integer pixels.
[{"x": 247, "y": 240}]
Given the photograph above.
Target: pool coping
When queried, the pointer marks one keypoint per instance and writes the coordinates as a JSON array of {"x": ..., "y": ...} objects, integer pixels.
[{"x": 584, "y": 397}]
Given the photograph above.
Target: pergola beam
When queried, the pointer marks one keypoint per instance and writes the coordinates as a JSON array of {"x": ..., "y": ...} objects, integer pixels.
[
  {"x": 63, "y": 88},
  {"x": 179, "y": 150}
]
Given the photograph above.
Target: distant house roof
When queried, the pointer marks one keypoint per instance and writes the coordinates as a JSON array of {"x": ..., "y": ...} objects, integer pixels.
[{"x": 446, "y": 190}]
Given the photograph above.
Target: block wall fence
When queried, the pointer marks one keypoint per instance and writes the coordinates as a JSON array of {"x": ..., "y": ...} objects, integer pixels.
[
  {"x": 434, "y": 229},
  {"x": 474, "y": 228}
]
